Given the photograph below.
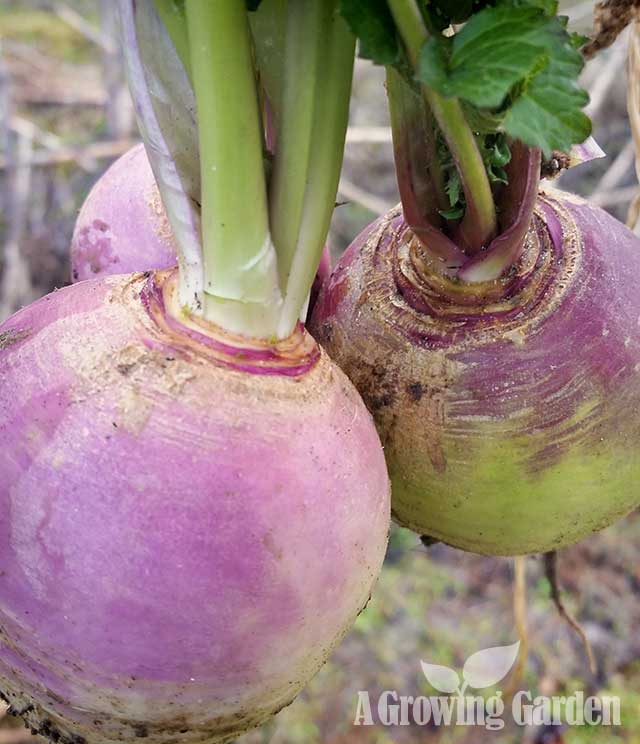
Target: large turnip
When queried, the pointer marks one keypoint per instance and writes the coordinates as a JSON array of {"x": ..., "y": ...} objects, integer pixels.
[
  {"x": 508, "y": 423},
  {"x": 192, "y": 521},
  {"x": 195, "y": 497},
  {"x": 492, "y": 329}
]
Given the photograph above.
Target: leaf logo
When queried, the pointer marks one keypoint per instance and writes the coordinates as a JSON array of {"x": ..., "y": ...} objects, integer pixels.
[
  {"x": 483, "y": 669},
  {"x": 487, "y": 667},
  {"x": 441, "y": 677}
]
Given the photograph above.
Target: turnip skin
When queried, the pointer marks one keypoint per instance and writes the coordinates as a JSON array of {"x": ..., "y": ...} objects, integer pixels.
[
  {"x": 187, "y": 534},
  {"x": 122, "y": 226},
  {"x": 509, "y": 428}
]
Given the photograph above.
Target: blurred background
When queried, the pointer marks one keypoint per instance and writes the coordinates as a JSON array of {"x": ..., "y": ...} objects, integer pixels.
[{"x": 65, "y": 115}]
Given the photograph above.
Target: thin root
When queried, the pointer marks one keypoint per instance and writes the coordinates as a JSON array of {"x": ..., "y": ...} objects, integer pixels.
[
  {"x": 520, "y": 617},
  {"x": 551, "y": 572}
]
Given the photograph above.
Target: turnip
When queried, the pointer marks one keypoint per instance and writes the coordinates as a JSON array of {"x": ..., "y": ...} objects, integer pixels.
[
  {"x": 123, "y": 227},
  {"x": 183, "y": 541},
  {"x": 492, "y": 328},
  {"x": 195, "y": 498}
]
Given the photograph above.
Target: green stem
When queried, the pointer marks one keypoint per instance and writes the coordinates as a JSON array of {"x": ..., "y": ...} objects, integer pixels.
[
  {"x": 479, "y": 224},
  {"x": 302, "y": 73},
  {"x": 330, "y": 118},
  {"x": 173, "y": 16},
  {"x": 241, "y": 284}
]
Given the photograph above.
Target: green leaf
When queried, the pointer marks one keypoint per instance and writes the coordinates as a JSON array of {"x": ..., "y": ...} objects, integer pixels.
[
  {"x": 455, "y": 213},
  {"x": 433, "y": 65},
  {"x": 494, "y": 51},
  {"x": 454, "y": 187},
  {"x": 577, "y": 40},
  {"x": 372, "y": 23},
  {"x": 482, "y": 121},
  {"x": 496, "y": 153},
  {"x": 253, "y": 4},
  {"x": 500, "y": 154},
  {"x": 548, "y": 111},
  {"x": 515, "y": 69}
]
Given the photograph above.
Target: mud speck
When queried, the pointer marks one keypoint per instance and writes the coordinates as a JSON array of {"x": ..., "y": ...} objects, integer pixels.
[
  {"x": 415, "y": 391},
  {"x": 125, "y": 368},
  {"x": 11, "y": 337}
]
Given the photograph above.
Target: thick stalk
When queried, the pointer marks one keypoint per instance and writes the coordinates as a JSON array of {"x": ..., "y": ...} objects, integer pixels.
[
  {"x": 479, "y": 223},
  {"x": 241, "y": 283},
  {"x": 414, "y": 147},
  {"x": 330, "y": 118},
  {"x": 516, "y": 203},
  {"x": 174, "y": 19},
  {"x": 417, "y": 169},
  {"x": 302, "y": 73}
]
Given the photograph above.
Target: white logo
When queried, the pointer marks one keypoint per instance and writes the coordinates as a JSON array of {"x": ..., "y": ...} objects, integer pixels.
[{"x": 483, "y": 669}]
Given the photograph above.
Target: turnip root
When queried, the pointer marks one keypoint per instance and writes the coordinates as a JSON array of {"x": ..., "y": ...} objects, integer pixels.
[
  {"x": 192, "y": 521},
  {"x": 122, "y": 226},
  {"x": 508, "y": 409}
]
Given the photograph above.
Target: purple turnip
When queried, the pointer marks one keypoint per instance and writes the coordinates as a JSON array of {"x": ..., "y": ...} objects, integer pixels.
[
  {"x": 195, "y": 498},
  {"x": 122, "y": 226},
  {"x": 493, "y": 329},
  {"x": 192, "y": 521},
  {"x": 508, "y": 419}
]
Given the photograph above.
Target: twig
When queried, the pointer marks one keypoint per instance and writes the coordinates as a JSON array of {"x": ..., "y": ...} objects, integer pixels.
[
  {"x": 96, "y": 150},
  {"x": 633, "y": 213},
  {"x": 551, "y": 572},
  {"x": 67, "y": 86},
  {"x": 78, "y": 23},
  {"x": 614, "y": 197},
  {"x": 16, "y": 280},
  {"x": 617, "y": 170},
  {"x": 50, "y": 140},
  {"x": 119, "y": 109},
  {"x": 607, "y": 73},
  {"x": 633, "y": 107}
]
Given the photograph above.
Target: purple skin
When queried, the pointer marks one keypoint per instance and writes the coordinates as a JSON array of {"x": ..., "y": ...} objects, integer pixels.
[
  {"x": 190, "y": 526},
  {"x": 122, "y": 226},
  {"x": 508, "y": 410}
]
